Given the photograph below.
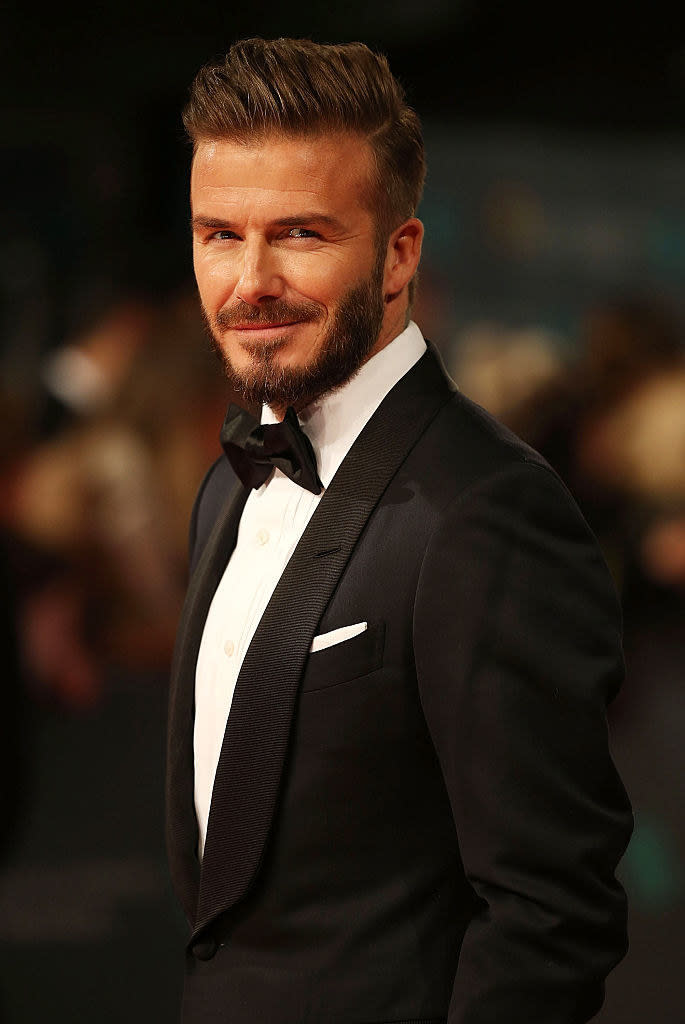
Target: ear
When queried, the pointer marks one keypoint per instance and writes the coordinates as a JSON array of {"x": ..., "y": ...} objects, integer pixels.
[{"x": 402, "y": 257}]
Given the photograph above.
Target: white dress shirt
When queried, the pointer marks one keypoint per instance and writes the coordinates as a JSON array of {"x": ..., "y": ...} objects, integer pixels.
[{"x": 273, "y": 520}]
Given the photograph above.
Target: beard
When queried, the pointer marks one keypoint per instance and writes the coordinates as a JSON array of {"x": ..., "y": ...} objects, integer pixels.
[{"x": 345, "y": 346}]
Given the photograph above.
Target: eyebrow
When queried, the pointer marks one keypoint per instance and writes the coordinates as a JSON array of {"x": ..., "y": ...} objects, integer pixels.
[{"x": 299, "y": 219}]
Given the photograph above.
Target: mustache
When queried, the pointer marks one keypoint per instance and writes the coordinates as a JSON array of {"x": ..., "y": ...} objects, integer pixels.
[{"x": 274, "y": 312}]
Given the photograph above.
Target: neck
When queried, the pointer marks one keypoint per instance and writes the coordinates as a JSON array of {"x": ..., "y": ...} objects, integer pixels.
[{"x": 394, "y": 322}]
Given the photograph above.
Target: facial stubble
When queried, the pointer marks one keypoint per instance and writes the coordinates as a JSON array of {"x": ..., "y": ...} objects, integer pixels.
[{"x": 345, "y": 346}]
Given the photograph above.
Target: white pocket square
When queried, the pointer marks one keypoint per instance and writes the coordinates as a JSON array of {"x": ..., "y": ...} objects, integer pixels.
[{"x": 336, "y": 636}]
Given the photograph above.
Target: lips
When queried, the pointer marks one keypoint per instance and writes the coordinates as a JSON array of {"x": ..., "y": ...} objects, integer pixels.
[
  {"x": 263, "y": 326},
  {"x": 270, "y": 316}
]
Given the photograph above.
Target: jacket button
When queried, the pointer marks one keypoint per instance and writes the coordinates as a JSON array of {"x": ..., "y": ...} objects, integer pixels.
[{"x": 204, "y": 948}]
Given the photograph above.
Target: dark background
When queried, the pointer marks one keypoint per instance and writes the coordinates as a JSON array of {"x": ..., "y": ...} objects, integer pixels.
[{"x": 572, "y": 114}]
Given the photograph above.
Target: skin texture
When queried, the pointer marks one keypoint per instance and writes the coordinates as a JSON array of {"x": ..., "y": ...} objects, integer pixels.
[{"x": 283, "y": 244}]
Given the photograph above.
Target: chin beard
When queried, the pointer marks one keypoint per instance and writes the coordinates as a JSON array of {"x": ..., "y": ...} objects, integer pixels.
[{"x": 345, "y": 347}]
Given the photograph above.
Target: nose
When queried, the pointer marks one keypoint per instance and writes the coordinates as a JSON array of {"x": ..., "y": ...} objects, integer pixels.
[{"x": 259, "y": 273}]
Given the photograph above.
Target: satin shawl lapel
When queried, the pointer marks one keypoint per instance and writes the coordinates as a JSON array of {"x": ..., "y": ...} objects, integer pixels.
[
  {"x": 255, "y": 743},
  {"x": 181, "y": 818}
]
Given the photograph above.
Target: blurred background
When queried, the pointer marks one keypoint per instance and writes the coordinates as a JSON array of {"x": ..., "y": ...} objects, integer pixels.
[{"x": 552, "y": 283}]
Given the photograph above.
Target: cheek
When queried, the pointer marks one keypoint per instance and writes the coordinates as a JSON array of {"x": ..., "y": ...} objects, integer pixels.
[
  {"x": 319, "y": 279},
  {"x": 215, "y": 279}
]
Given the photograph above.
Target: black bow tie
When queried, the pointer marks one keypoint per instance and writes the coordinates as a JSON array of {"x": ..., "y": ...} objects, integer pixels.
[{"x": 254, "y": 449}]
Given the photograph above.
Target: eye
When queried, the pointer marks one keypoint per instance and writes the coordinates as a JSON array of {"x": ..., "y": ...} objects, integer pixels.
[
  {"x": 302, "y": 233},
  {"x": 224, "y": 235}
]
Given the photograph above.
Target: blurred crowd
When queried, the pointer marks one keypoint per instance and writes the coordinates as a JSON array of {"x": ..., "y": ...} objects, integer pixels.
[{"x": 99, "y": 470}]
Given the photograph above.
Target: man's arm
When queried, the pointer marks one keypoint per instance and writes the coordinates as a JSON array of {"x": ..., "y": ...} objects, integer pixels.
[{"x": 517, "y": 641}]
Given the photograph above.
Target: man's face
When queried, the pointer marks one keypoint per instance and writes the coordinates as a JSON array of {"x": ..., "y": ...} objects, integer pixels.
[{"x": 287, "y": 263}]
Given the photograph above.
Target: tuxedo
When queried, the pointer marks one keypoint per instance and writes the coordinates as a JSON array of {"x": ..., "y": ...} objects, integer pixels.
[{"x": 420, "y": 823}]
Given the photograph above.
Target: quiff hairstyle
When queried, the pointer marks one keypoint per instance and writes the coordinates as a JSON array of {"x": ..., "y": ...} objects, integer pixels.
[{"x": 296, "y": 88}]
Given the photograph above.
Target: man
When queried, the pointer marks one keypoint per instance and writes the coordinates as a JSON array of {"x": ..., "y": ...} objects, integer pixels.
[{"x": 390, "y": 791}]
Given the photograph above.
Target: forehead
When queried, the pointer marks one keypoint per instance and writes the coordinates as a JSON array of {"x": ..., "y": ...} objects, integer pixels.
[{"x": 331, "y": 170}]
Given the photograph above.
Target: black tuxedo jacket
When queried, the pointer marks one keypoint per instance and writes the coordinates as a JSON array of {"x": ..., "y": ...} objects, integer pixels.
[{"x": 422, "y": 823}]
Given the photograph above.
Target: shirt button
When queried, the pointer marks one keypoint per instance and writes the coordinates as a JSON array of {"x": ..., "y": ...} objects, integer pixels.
[
  {"x": 262, "y": 537},
  {"x": 229, "y": 648}
]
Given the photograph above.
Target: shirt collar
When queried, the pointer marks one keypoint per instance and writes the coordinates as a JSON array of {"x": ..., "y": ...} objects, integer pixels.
[{"x": 334, "y": 423}]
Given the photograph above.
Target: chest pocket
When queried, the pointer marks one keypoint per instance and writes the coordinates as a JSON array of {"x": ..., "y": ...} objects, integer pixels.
[{"x": 347, "y": 660}]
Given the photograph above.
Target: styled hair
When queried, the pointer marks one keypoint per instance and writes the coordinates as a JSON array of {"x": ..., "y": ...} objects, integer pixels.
[{"x": 295, "y": 87}]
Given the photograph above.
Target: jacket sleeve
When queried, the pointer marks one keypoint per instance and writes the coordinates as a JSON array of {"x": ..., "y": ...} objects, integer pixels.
[{"x": 518, "y": 651}]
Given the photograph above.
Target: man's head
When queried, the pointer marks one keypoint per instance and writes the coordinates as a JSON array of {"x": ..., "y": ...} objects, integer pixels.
[{"x": 308, "y": 167}]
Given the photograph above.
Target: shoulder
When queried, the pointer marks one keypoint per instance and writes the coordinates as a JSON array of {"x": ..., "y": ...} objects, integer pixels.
[
  {"x": 465, "y": 445},
  {"x": 469, "y": 472}
]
